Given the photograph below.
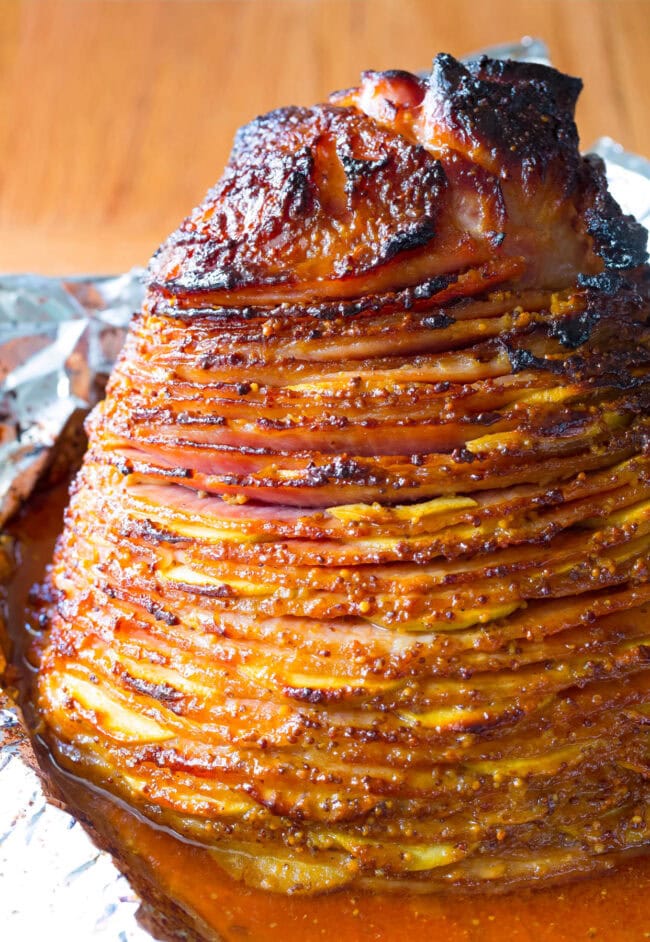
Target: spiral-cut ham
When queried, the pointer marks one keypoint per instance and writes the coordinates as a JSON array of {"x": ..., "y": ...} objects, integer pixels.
[{"x": 355, "y": 579}]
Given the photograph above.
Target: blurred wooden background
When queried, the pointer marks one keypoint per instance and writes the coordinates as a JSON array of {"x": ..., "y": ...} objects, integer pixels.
[{"x": 116, "y": 115}]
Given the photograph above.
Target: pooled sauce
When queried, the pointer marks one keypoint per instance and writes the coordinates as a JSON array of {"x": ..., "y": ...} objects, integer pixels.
[{"x": 613, "y": 908}]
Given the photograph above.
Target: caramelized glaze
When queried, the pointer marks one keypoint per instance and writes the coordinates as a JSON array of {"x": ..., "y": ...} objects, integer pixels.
[
  {"x": 354, "y": 582},
  {"x": 187, "y": 890}
]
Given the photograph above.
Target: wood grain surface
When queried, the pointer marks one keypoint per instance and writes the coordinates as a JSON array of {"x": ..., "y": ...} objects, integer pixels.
[{"x": 116, "y": 115}]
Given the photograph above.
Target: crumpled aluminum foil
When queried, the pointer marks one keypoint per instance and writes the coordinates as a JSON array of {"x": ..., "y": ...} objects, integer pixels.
[
  {"x": 58, "y": 340},
  {"x": 54, "y": 883}
]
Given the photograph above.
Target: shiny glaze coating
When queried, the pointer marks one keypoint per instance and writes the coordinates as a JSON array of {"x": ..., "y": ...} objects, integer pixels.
[{"x": 355, "y": 579}]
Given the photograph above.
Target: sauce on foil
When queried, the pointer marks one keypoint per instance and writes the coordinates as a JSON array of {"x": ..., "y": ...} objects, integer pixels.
[{"x": 188, "y": 889}]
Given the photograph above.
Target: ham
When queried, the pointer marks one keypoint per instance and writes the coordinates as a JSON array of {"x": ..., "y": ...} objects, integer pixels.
[{"x": 354, "y": 585}]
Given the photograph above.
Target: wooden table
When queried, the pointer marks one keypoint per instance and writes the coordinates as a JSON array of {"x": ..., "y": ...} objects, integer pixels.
[{"x": 116, "y": 115}]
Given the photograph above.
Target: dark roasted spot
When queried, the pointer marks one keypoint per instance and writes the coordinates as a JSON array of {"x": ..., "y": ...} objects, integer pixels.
[
  {"x": 437, "y": 321},
  {"x": 433, "y": 286},
  {"x": 606, "y": 282},
  {"x": 413, "y": 237},
  {"x": 463, "y": 455},
  {"x": 573, "y": 331}
]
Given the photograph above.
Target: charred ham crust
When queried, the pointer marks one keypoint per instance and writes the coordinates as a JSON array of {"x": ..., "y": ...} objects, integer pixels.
[
  {"x": 399, "y": 190},
  {"x": 321, "y": 184},
  {"x": 620, "y": 240},
  {"x": 519, "y": 114}
]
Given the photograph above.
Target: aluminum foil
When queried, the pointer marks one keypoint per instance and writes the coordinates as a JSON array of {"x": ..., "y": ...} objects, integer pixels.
[
  {"x": 54, "y": 883},
  {"x": 58, "y": 341}
]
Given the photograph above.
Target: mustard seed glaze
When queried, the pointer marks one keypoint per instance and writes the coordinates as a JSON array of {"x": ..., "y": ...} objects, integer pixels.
[{"x": 187, "y": 890}]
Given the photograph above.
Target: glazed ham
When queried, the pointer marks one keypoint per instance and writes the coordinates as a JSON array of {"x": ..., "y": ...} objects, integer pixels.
[{"x": 355, "y": 578}]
